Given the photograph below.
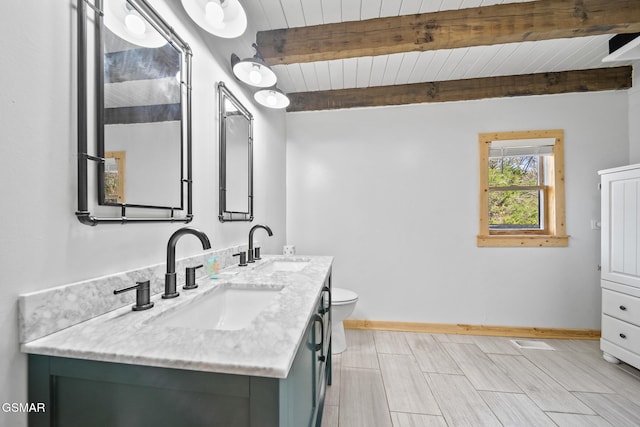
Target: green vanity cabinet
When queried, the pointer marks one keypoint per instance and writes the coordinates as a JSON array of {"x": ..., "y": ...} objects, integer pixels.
[
  {"x": 303, "y": 397},
  {"x": 91, "y": 393},
  {"x": 323, "y": 345}
]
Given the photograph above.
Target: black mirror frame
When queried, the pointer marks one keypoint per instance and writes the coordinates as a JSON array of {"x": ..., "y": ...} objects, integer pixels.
[
  {"x": 224, "y": 215},
  {"x": 83, "y": 214}
]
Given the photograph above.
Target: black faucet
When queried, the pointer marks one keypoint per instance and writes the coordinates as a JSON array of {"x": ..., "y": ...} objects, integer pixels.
[
  {"x": 250, "y": 253},
  {"x": 170, "y": 277}
]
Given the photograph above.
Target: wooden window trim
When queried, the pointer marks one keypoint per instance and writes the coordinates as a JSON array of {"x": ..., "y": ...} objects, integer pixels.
[{"x": 554, "y": 234}]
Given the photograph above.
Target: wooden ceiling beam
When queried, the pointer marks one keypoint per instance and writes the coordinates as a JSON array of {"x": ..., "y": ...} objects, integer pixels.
[
  {"x": 478, "y": 26},
  {"x": 598, "y": 79}
]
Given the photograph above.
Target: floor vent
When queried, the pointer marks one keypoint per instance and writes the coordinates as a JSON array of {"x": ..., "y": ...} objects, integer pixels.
[{"x": 532, "y": 345}]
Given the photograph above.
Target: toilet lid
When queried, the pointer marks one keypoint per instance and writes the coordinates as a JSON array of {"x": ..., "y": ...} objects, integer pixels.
[{"x": 339, "y": 295}]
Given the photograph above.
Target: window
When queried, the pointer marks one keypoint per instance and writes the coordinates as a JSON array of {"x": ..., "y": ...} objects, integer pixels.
[
  {"x": 114, "y": 176},
  {"x": 522, "y": 189}
]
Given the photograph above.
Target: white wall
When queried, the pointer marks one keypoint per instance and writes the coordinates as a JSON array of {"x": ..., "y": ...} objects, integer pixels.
[
  {"x": 634, "y": 116},
  {"x": 42, "y": 244},
  {"x": 156, "y": 145},
  {"x": 392, "y": 193}
]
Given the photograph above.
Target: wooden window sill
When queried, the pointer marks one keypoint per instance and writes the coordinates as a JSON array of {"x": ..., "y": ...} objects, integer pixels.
[{"x": 521, "y": 240}]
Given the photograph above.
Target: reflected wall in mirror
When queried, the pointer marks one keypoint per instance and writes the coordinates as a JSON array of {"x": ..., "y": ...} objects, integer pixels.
[
  {"x": 141, "y": 86},
  {"x": 236, "y": 158}
]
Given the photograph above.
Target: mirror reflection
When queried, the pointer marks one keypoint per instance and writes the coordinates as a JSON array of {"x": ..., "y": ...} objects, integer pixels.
[
  {"x": 236, "y": 158},
  {"x": 134, "y": 115},
  {"x": 142, "y": 120},
  {"x": 237, "y": 185}
]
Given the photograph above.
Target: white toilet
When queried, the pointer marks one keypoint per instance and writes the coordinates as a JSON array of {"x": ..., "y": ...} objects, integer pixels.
[{"x": 343, "y": 302}]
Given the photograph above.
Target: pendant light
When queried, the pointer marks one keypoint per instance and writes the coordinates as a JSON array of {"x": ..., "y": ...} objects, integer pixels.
[
  {"x": 253, "y": 71},
  {"x": 124, "y": 21},
  {"x": 222, "y": 18},
  {"x": 272, "y": 98}
]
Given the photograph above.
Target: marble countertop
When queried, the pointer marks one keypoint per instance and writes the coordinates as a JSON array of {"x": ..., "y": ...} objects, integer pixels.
[{"x": 266, "y": 347}]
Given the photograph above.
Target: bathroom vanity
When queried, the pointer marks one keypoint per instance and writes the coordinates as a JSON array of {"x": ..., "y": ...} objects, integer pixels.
[{"x": 174, "y": 365}]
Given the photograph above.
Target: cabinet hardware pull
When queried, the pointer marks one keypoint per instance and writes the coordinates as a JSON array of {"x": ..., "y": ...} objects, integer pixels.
[
  {"x": 322, "y": 309},
  {"x": 623, "y": 308},
  {"x": 623, "y": 336},
  {"x": 318, "y": 318}
]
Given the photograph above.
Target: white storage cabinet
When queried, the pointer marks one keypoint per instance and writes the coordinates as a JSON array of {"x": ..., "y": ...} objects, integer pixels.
[{"x": 620, "y": 278}]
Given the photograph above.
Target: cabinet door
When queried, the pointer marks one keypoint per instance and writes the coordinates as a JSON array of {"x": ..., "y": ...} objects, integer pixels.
[
  {"x": 620, "y": 227},
  {"x": 297, "y": 400}
]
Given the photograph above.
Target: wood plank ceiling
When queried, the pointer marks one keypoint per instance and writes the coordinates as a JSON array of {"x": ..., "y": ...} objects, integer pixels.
[{"x": 331, "y": 54}]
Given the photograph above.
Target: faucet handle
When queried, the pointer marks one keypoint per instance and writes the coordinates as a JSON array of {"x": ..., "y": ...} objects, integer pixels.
[
  {"x": 243, "y": 258},
  {"x": 143, "y": 295},
  {"x": 256, "y": 253},
  {"x": 191, "y": 277}
]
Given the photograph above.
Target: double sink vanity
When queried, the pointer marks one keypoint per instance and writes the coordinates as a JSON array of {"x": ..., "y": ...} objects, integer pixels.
[{"x": 249, "y": 348}]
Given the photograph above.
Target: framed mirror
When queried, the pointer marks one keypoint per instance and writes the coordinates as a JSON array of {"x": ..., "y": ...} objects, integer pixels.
[
  {"x": 236, "y": 158},
  {"x": 134, "y": 115}
]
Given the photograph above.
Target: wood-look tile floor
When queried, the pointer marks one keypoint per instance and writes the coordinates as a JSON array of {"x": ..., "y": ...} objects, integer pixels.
[{"x": 404, "y": 379}]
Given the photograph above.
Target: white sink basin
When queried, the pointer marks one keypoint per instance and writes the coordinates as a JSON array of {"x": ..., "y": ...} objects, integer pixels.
[
  {"x": 289, "y": 265},
  {"x": 227, "y": 308}
]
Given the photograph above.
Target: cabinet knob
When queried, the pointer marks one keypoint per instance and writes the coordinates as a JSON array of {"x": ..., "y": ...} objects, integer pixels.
[
  {"x": 623, "y": 336},
  {"x": 623, "y": 308}
]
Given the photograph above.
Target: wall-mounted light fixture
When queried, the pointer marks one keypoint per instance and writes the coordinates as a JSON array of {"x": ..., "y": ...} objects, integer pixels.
[
  {"x": 253, "y": 71},
  {"x": 272, "y": 98},
  {"x": 125, "y": 21},
  {"x": 623, "y": 47},
  {"x": 222, "y": 18}
]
